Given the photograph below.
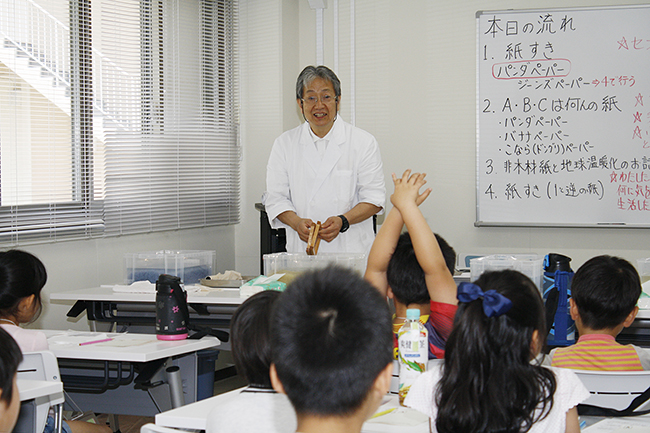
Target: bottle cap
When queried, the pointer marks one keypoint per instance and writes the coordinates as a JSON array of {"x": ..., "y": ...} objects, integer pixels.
[{"x": 412, "y": 314}]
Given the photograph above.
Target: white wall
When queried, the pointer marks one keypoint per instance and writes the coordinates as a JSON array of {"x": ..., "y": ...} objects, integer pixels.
[{"x": 416, "y": 92}]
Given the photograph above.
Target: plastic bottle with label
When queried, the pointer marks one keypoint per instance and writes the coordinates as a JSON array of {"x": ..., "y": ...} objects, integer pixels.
[{"x": 413, "y": 347}]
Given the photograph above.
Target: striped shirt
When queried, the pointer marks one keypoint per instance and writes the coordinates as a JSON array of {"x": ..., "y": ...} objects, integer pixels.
[{"x": 597, "y": 352}]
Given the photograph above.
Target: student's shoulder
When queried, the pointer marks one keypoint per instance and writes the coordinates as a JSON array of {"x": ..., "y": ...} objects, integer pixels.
[
  {"x": 569, "y": 390},
  {"x": 29, "y": 340},
  {"x": 443, "y": 308},
  {"x": 421, "y": 395}
]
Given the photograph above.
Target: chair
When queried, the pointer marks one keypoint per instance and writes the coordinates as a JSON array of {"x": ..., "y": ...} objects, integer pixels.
[
  {"x": 39, "y": 366},
  {"x": 615, "y": 389},
  {"x": 153, "y": 428}
]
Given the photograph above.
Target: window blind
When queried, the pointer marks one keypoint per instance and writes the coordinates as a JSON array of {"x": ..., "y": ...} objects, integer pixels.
[
  {"x": 144, "y": 137},
  {"x": 173, "y": 160},
  {"x": 42, "y": 166}
]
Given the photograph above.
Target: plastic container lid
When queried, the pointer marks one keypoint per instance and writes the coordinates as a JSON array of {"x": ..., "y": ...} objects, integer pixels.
[{"x": 413, "y": 314}]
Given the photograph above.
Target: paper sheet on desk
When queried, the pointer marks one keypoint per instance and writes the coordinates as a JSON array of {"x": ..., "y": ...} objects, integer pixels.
[
  {"x": 125, "y": 342},
  {"x": 619, "y": 425},
  {"x": 73, "y": 337},
  {"x": 79, "y": 338},
  {"x": 403, "y": 416}
]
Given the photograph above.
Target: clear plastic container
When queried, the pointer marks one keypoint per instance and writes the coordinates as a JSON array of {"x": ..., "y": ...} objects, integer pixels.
[
  {"x": 530, "y": 265},
  {"x": 643, "y": 267},
  {"x": 190, "y": 265},
  {"x": 295, "y": 263}
]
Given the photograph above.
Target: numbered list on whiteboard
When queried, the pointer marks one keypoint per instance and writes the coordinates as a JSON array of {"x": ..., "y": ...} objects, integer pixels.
[{"x": 563, "y": 117}]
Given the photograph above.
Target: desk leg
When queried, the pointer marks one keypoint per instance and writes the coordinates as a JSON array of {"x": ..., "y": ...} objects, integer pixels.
[
  {"x": 113, "y": 422},
  {"x": 175, "y": 386},
  {"x": 58, "y": 418},
  {"x": 129, "y": 400}
]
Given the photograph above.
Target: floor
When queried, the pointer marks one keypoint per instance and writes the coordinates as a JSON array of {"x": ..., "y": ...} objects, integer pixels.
[{"x": 132, "y": 424}]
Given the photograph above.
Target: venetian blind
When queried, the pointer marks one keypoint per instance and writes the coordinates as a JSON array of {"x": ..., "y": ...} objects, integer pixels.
[
  {"x": 116, "y": 117},
  {"x": 170, "y": 124},
  {"x": 45, "y": 151}
]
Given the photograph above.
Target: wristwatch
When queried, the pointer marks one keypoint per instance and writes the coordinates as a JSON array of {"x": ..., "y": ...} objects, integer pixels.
[{"x": 346, "y": 224}]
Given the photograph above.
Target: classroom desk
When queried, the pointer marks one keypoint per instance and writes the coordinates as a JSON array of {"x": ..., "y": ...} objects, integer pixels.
[
  {"x": 126, "y": 375},
  {"x": 636, "y": 424},
  {"x": 194, "y": 416},
  {"x": 639, "y": 332},
  {"x": 212, "y": 308}
]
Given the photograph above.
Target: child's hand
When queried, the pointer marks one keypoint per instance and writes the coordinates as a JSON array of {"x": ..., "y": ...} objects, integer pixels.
[{"x": 407, "y": 189}]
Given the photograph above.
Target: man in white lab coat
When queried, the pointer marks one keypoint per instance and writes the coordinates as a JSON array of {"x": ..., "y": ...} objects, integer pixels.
[{"x": 324, "y": 170}]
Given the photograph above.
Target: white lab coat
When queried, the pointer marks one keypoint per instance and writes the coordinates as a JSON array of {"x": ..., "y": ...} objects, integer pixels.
[{"x": 349, "y": 173}]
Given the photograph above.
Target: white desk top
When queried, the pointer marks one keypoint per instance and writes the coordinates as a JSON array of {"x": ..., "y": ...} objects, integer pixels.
[
  {"x": 104, "y": 293},
  {"x": 30, "y": 389},
  {"x": 194, "y": 416},
  {"x": 124, "y": 347},
  {"x": 637, "y": 424}
]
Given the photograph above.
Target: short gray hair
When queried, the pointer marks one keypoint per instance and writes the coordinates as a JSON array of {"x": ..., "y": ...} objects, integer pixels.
[{"x": 310, "y": 73}]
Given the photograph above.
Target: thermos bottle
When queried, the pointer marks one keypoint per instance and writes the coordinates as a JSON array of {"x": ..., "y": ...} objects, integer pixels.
[
  {"x": 172, "y": 314},
  {"x": 557, "y": 291}
]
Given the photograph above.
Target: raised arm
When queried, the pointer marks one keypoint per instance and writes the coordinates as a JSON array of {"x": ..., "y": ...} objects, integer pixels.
[
  {"x": 384, "y": 246},
  {"x": 440, "y": 283},
  {"x": 382, "y": 250}
]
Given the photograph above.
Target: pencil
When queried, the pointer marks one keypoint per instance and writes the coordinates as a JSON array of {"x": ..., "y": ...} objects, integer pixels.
[
  {"x": 95, "y": 341},
  {"x": 385, "y": 412}
]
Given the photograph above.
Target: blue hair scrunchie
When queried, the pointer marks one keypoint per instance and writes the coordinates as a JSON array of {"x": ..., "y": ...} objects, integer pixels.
[{"x": 494, "y": 303}]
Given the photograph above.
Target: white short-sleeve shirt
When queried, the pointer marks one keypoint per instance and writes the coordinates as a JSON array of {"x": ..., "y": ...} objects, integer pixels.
[{"x": 569, "y": 393}]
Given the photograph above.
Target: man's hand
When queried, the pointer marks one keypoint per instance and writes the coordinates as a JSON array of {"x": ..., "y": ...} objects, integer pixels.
[
  {"x": 300, "y": 225},
  {"x": 330, "y": 229}
]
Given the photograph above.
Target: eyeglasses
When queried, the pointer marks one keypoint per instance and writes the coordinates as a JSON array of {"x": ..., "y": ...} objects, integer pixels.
[{"x": 313, "y": 100}]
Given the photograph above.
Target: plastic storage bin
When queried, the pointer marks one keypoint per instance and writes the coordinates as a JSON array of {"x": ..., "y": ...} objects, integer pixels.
[
  {"x": 190, "y": 265},
  {"x": 530, "y": 265},
  {"x": 282, "y": 263},
  {"x": 643, "y": 267}
]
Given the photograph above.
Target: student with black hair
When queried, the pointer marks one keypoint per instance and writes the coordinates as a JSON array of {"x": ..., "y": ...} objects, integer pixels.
[
  {"x": 10, "y": 359},
  {"x": 258, "y": 407},
  {"x": 415, "y": 268},
  {"x": 332, "y": 344},
  {"x": 487, "y": 382},
  {"x": 604, "y": 294},
  {"x": 22, "y": 278}
]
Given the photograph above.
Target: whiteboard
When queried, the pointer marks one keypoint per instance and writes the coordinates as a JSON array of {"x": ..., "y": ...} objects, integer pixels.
[{"x": 563, "y": 117}]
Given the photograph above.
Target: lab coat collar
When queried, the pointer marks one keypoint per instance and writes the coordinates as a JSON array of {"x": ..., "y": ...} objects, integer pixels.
[{"x": 323, "y": 168}]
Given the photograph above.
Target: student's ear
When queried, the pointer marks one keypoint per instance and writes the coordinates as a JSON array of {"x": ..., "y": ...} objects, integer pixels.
[
  {"x": 275, "y": 380},
  {"x": 573, "y": 309},
  {"x": 26, "y": 305},
  {"x": 535, "y": 346},
  {"x": 382, "y": 382},
  {"x": 630, "y": 317},
  {"x": 389, "y": 293}
]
